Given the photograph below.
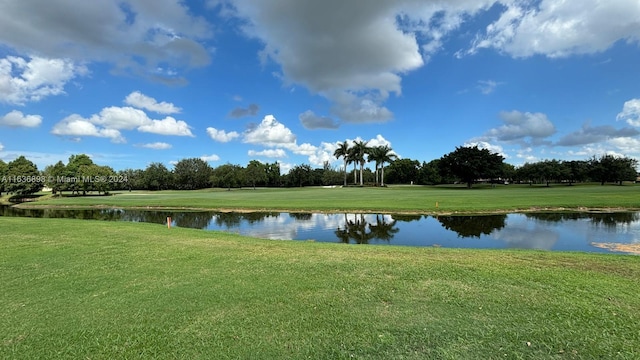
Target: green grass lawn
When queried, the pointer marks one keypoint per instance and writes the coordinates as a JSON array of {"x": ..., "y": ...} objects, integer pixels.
[
  {"x": 420, "y": 199},
  {"x": 74, "y": 289}
]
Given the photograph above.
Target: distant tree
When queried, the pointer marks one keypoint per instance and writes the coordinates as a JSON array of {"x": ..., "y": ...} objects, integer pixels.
[
  {"x": 552, "y": 170},
  {"x": 96, "y": 178},
  {"x": 300, "y": 175},
  {"x": 316, "y": 176},
  {"x": 3, "y": 173},
  {"x": 508, "y": 171},
  {"x": 578, "y": 170},
  {"x": 73, "y": 179},
  {"x": 360, "y": 151},
  {"x": 526, "y": 173},
  {"x": 192, "y": 174},
  {"x": 156, "y": 176},
  {"x": 54, "y": 177},
  {"x": 403, "y": 171},
  {"x": 374, "y": 156},
  {"x": 332, "y": 177},
  {"x": 343, "y": 152},
  {"x": 472, "y": 163},
  {"x": 429, "y": 173},
  {"x": 256, "y": 173},
  {"x": 352, "y": 159},
  {"x": 380, "y": 155},
  {"x": 22, "y": 177},
  {"x": 273, "y": 174},
  {"x": 228, "y": 176},
  {"x": 132, "y": 179},
  {"x": 609, "y": 168}
]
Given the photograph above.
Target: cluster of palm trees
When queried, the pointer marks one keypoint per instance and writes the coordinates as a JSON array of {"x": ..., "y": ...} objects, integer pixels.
[{"x": 359, "y": 153}]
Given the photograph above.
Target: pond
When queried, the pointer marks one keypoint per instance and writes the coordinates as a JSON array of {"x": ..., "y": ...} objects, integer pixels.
[{"x": 592, "y": 232}]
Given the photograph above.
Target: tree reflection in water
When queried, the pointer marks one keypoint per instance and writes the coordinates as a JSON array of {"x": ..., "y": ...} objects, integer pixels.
[
  {"x": 473, "y": 226},
  {"x": 561, "y": 230},
  {"x": 360, "y": 231},
  {"x": 609, "y": 220}
]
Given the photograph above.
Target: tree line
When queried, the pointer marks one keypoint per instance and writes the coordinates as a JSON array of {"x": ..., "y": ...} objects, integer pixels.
[{"x": 468, "y": 165}]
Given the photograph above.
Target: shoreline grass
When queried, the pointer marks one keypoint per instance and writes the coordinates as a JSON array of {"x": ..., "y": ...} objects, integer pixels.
[
  {"x": 399, "y": 199},
  {"x": 89, "y": 289}
]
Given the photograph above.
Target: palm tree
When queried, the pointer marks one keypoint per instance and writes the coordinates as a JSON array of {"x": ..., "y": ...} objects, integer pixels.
[
  {"x": 360, "y": 150},
  {"x": 385, "y": 155},
  {"x": 352, "y": 159},
  {"x": 343, "y": 152},
  {"x": 375, "y": 154}
]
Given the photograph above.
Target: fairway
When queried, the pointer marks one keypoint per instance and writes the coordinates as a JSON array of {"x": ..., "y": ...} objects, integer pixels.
[
  {"x": 102, "y": 290},
  {"x": 395, "y": 199}
]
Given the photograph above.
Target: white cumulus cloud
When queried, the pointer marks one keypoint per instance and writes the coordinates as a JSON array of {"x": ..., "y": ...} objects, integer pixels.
[
  {"x": 18, "y": 119},
  {"x": 75, "y": 125},
  {"x": 631, "y": 112},
  {"x": 111, "y": 120},
  {"x": 561, "y": 28},
  {"x": 141, "y": 101},
  {"x": 25, "y": 80},
  {"x": 210, "y": 158},
  {"x": 270, "y": 132},
  {"x": 157, "y": 146},
  {"x": 167, "y": 126},
  {"x": 221, "y": 135},
  {"x": 269, "y": 153},
  {"x": 121, "y": 118}
]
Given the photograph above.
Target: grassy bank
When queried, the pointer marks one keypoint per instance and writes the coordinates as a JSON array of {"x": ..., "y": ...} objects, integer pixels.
[
  {"x": 102, "y": 290},
  {"x": 416, "y": 199}
]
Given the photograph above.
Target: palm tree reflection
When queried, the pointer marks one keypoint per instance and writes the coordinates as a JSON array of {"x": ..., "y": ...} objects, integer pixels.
[{"x": 358, "y": 230}]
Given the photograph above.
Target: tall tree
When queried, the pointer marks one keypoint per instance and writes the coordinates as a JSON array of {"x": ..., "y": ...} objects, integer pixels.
[
  {"x": 352, "y": 159},
  {"x": 55, "y": 177},
  {"x": 227, "y": 175},
  {"x": 472, "y": 163},
  {"x": 192, "y": 174},
  {"x": 430, "y": 173},
  {"x": 73, "y": 181},
  {"x": 256, "y": 172},
  {"x": 22, "y": 177},
  {"x": 133, "y": 179},
  {"x": 360, "y": 151},
  {"x": 384, "y": 155},
  {"x": 300, "y": 175},
  {"x": 609, "y": 168},
  {"x": 343, "y": 152},
  {"x": 157, "y": 177},
  {"x": 578, "y": 170},
  {"x": 96, "y": 178},
  {"x": 374, "y": 156},
  {"x": 273, "y": 174},
  {"x": 551, "y": 170},
  {"x": 404, "y": 171}
]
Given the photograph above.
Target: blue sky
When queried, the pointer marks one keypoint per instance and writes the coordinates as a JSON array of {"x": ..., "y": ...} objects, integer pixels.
[{"x": 133, "y": 82}]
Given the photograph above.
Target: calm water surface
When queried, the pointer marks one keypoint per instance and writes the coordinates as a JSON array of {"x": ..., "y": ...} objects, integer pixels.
[{"x": 547, "y": 231}]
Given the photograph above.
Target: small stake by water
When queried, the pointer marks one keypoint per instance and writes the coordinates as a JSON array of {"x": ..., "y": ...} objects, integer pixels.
[{"x": 168, "y": 222}]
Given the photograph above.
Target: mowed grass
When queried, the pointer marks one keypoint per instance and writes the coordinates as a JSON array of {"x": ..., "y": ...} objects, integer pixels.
[
  {"x": 421, "y": 199},
  {"x": 74, "y": 289}
]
